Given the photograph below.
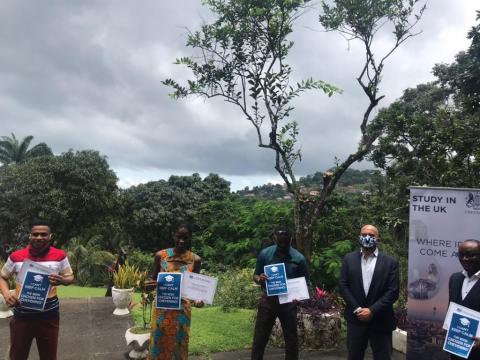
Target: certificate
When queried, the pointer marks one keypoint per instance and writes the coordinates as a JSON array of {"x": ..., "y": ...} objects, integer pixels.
[
  {"x": 454, "y": 307},
  {"x": 276, "y": 283},
  {"x": 34, "y": 285},
  {"x": 168, "y": 291},
  {"x": 198, "y": 287},
  {"x": 34, "y": 290},
  {"x": 297, "y": 290},
  {"x": 459, "y": 340},
  {"x": 29, "y": 265}
]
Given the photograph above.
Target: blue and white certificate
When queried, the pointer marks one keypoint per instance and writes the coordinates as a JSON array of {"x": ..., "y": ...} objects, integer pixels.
[
  {"x": 276, "y": 283},
  {"x": 168, "y": 291},
  {"x": 34, "y": 290},
  {"x": 34, "y": 285},
  {"x": 459, "y": 340}
]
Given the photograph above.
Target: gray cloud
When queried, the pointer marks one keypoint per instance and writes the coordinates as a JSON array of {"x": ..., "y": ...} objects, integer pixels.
[{"x": 88, "y": 75}]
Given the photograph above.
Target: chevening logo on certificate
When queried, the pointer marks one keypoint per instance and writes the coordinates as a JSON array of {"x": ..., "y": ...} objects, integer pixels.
[
  {"x": 276, "y": 283},
  {"x": 168, "y": 291}
]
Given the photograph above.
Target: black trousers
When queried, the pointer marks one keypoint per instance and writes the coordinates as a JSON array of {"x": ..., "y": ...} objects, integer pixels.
[
  {"x": 474, "y": 355},
  {"x": 358, "y": 337},
  {"x": 268, "y": 311}
]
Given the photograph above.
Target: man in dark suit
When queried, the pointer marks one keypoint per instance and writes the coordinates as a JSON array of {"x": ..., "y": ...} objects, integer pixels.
[
  {"x": 464, "y": 287},
  {"x": 369, "y": 284}
]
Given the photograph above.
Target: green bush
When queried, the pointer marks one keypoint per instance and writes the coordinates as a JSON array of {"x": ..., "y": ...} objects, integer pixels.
[
  {"x": 143, "y": 261},
  {"x": 236, "y": 289}
]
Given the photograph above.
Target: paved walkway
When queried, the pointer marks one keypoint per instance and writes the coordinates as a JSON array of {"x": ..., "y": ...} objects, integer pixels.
[{"x": 89, "y": 331}]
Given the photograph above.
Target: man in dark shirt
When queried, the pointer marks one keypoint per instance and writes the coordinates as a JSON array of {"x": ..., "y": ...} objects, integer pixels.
[{"x": 269, "y": 308}]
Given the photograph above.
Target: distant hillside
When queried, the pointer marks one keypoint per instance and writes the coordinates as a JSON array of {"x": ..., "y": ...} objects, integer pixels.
[{"x": 351, "y": 179}]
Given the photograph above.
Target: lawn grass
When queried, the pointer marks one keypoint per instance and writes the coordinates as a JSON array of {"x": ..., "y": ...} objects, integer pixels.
[
  {"x": 214, "y": 330},
  {"x": 75, "y": 291}
]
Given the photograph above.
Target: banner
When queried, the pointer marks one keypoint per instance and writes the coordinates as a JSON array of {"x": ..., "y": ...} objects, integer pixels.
[{"x": 440, "y": 218}]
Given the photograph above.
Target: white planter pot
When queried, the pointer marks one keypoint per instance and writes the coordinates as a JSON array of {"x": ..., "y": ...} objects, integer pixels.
[
  {"x": 399, "y": 340},
  {"x": 5, "y": 310},
  {"x": 122, "y": 299},
  {"x": 137, "y": 344}
]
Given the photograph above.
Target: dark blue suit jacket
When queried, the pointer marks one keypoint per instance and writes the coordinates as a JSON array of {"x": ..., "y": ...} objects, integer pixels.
[{"x": 383, "y": 291}]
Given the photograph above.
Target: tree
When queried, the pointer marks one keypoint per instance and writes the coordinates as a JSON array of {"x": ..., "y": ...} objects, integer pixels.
[
  {"x": 153, "y": 210},
  {"x": 13, "y": 151},
  {"x": 74, "y": 191},
  {"x": 432, "y": 133},
  {"x": 242, "y": 58},
  {"x": 462, "y": 77}
]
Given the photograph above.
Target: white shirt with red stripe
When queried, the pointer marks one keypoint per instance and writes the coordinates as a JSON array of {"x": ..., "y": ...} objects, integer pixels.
[{"x": 55, "y": 259}]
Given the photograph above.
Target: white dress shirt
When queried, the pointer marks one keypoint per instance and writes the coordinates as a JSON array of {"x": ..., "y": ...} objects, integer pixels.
[
  {"x": 368, "y": 267},
  {"x": 469, "y": 283}
]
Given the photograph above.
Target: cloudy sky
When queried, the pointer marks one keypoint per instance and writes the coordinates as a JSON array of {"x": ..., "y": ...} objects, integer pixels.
[{"x": 87, "y": 75}]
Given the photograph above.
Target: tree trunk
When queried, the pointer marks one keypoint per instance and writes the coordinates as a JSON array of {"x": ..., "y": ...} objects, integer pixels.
[{"x": 303, "y": 225}]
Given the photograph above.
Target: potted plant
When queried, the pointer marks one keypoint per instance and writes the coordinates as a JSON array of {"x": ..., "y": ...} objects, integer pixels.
[
  {"x": 5, "y": 310},
  {"x": 137, "y": 337},
  {"x": 124, "y": 281}
]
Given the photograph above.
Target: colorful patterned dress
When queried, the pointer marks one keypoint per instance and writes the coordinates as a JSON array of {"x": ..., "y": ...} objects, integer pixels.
[{"x": 170, "y": 328}]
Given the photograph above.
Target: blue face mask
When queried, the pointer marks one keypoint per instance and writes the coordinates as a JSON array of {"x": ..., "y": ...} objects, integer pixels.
[{"x": 367, "y": 241}]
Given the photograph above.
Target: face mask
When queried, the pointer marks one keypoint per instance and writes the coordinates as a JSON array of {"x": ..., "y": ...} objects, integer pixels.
[{"x": 367, "y": 241}]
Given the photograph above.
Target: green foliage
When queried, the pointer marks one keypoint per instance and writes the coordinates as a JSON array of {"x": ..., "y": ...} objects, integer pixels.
[
  {"x": 244, "y": 61},
  {"x": 233, "y": 231},
  {"x": 350, "y": 177},
  {"x": 146, "y": 298},
  {"x": 89, "y": 262},
  {"x": 236, "y": 290},
  {"x": 462, "y": 78},
  {"x": 326, "y": 263},
  {"x": 364, "y": 18},
  {"x": 141, "y": 260},
  {"x": 153, "y": 210},
  {"x": 126, "y": 276},
  {"x": 13, "y": 151},
  {"x": 74, "y": 191}
]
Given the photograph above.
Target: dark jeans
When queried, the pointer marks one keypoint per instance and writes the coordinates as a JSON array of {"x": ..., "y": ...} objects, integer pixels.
[
  {"x": 268, "y": 310},
  {"x": 22, "y": 333},
  {"x": 358, "y": 337}
]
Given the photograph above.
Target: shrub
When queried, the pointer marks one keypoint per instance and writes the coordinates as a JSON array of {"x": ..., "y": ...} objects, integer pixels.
[
  {"x": 236, "y": 289},
  {"x": 126, "y": 276},
  {"x": 322, "y": 302},
  {"x": 143, "y": 261}
]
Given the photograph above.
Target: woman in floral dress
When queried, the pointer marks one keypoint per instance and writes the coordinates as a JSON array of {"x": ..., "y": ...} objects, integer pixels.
[{"x": 170, "y": 328}]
